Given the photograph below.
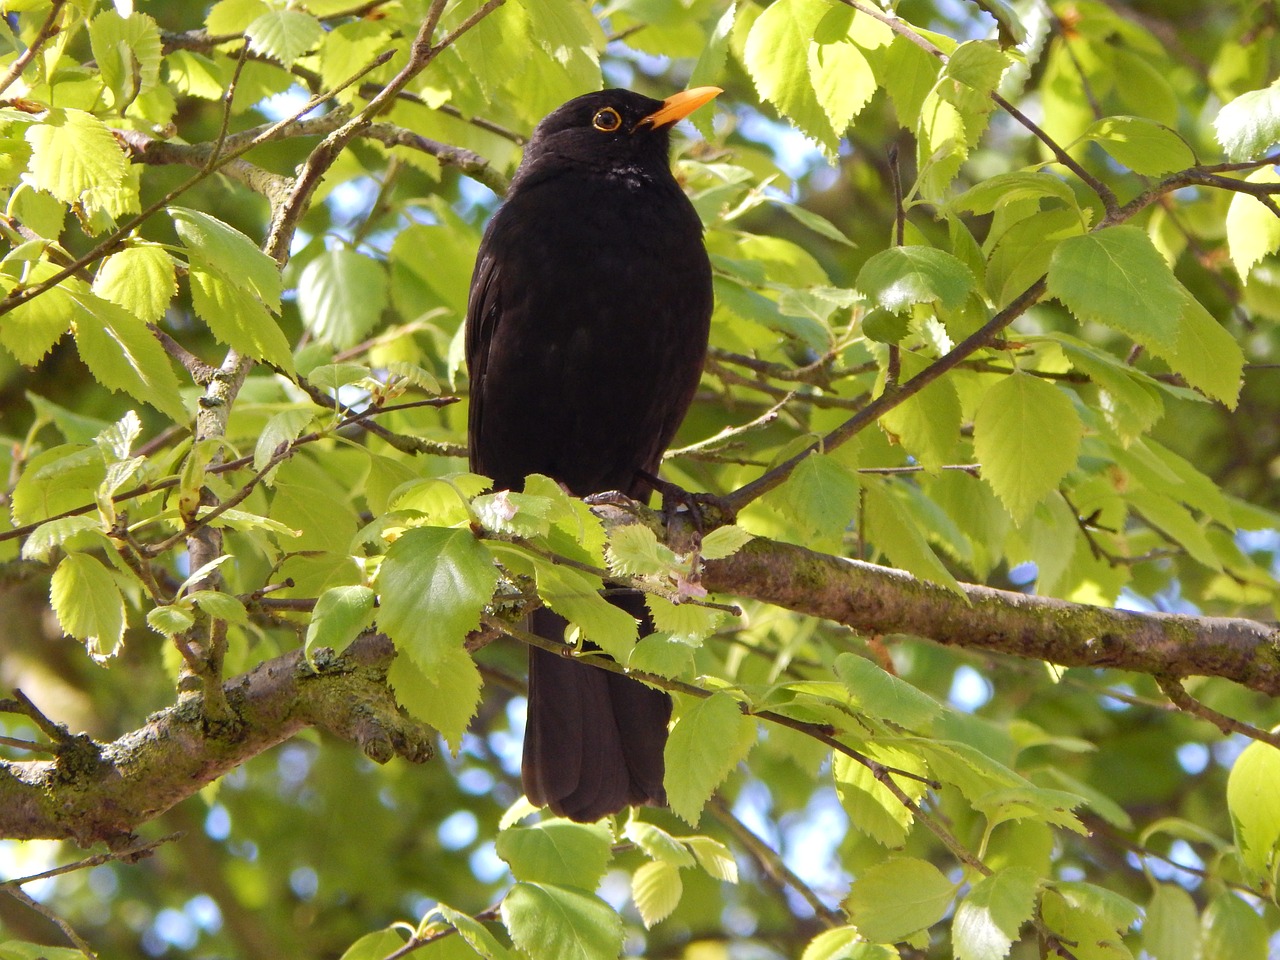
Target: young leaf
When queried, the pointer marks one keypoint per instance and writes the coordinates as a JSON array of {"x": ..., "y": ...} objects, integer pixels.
[
  {"x": 446, "y": 697},
  {"x": 1253, "y": 231},
  {"x": 709, "y": 740},
  {"x": 1026, "y": 434},
  {"x": 128, "y": 51},
  {"x": 900, "y": 277},
  {"x": 1208, "y": 357},
  {"x": 634, "y": 550},
  {"x": 885, "y": 696},
  {"x": 284, "y": 35},
  {"x": 656, "y": 888},
  {"x": 658, "y": 844},
  {"x": 1142, "y": 145},
  {"x": 776, "y": 56},
  {"x": 341, "y": 296},
  {"x": 433, "y": 584},
  {"x": 558, "y": 851},
  {"x": 238, "y": 318},
  {"x": 897, "y": 534},
  {"x": 821, "y": 494},
  {"x": 228, "y": 251},
  {"x": 1171, "y": 928},
  {"x": 140, "y": 278},
  {"x": 989, "y": 917},
  {"x": 898, "y": 897},
  {"x": 88, "y": 604},
  {"x": 1118, "y": 278},
  {"x": 847, "y": 943},
  {"x": 1232, "y": 930},
  {"x": 569, "y": 924},
  {"x": 872, "y": 808},
  {"x": 122, "y": 354},
  {"x": 1249, "y": 125},
  {"x": 340, "y": 615},
  {"x": 1255, "y": 816},
  {"x": 74, "y": 156},
  {"x": 714, "y": 857}
]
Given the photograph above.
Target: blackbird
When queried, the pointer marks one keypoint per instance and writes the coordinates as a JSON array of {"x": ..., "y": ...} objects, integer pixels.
[{"x": 586, "y": 333}]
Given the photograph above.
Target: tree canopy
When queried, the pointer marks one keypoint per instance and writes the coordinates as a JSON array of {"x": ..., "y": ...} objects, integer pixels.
[{"x": 974, "y": 653}]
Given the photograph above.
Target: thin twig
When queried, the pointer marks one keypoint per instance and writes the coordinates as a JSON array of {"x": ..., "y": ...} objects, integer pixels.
[
  {"x": 772, "y": 863},
  {"x": 1177, "y": 694},
  {"x": 47, "y": 30}
]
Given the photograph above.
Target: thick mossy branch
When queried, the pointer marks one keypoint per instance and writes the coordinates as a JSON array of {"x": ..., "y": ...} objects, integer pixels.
[
  {"x": 880, "y": 600},
  {"x": 104, "y": 794}
]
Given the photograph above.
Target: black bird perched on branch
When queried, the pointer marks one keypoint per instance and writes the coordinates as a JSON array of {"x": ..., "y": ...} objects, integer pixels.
[{"x": 586, "y": 333}]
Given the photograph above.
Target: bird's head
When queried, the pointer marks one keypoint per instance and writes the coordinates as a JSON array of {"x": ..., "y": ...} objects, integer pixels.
[{"x": 613, "y": 128}]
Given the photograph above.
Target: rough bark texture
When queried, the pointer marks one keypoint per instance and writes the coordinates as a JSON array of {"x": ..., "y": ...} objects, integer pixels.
[{"x": 102, "y": 792}]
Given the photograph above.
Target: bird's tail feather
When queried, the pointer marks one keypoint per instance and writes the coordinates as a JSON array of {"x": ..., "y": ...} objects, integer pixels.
[{"x": 594, "y": 740}]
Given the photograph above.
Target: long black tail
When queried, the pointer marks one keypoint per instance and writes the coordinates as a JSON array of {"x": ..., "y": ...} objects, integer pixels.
[{"x": 594, "y": 740}]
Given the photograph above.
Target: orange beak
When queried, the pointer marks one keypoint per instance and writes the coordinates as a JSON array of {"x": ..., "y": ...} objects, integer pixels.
[{"x": 680, "y": 105}]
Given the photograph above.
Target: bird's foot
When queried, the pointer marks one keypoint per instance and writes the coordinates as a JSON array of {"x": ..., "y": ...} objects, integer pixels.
[{"x": 705, "y": 511}]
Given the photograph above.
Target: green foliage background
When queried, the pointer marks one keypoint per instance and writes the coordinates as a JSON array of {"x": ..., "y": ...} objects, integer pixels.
[{"x": 1082, "y": 192}]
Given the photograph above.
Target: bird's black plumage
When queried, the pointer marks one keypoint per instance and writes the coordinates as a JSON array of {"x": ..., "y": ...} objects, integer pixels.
[{"x": 586, "y": 334}]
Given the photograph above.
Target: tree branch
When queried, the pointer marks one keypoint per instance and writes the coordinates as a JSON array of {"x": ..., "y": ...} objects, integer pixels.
[{"x": 107, "y": 795}]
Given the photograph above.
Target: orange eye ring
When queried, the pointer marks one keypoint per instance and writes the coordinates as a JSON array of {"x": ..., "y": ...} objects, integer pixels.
[{"x": 607, "y": 120}]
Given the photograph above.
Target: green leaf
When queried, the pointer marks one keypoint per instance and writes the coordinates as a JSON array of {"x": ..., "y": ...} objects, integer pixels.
[
  {"x": 123, "y": 354},
  {"x": 56, "y": 480},
  {"x": 575, "y": 595},
  {"x": 1255, "y": 815},
  {"x": 897, "y": 534},
  {"x": 1171, "y": 928},
  {"x": 219, "y": 606},
  {"x": 341, "y": 614},
  {"x": 1118, "y": 278},
  {"x": 48, "y": 536},
  {"x": 20, "y": 950},
  {"x": 1092, "y": 937},
  {"x": 1232, "y": 930},
  {"x": 872, "y": 808},
  {"x": 1129, "y": 399},
  {"x": 709, "y": 739},
  {"x": 714, "y": 857},
  {"x": 658, "y": 844},
  {"x": 1253, "y": 231},
  {"x": 74, "y": 157},
  {"x": 140, "y": 278},
  {"x": 841, "y": 77},
  {"x": 226, "y": 250},
  {"x": 1249, "y": 125},
  {"x": 284, "y": 35},
  {"x": 656, "y": 888},
  {"x": 989, "y": 917},
  {"x": 281, "y": 430},
  {"x": 1142, "y": 145},
  {"x": 926, "y": 424},
  {"x": 687, "y": 623},
  {"x": 375, "y": 945},
  {"x": 1026, "y": 434},
  {"x": 30, "y": 329},
  {"x": 846, "y": 943},
  {"x": 518, "y": 514},
  {"x": 776, "y": 56},
  {"x": 238, "y": 318},
  {"x": 568, "y": 924},
  {"x": 896, "y": 898},
  {"x": 724, "y": 542},
  {"x": 885, "y": 696},
  {"x": 558, "y": 851},
  {"x": 900, "y": 277},
  {"x": 341, "y": 296},
  {"x": 1208, "y": 357},
  {"x": 128, "y": 51},
  {"x": 445, "y": 697},
  {"x": 171, "y": 620},
  {"x": 1007, "y": 188},
  {"x": 433, "y": 584},
  {"x": 821, "y": 495},
  {"x": 479, "y": 937},
  {"x": 1114, "y": 909},
  {"x": 634, "y": 550},
  {"x": 88, "y": 604}
]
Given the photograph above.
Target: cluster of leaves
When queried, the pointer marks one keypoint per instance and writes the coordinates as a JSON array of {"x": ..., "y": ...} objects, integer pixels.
[{"x": 987, "y": 372}]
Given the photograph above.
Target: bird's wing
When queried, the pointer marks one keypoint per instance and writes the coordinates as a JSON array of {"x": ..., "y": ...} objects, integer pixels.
[{"x": 484, "y": 309}]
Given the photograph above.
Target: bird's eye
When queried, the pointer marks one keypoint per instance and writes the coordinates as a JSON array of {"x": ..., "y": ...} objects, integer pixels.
[{"x": 606, "y": 120}]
